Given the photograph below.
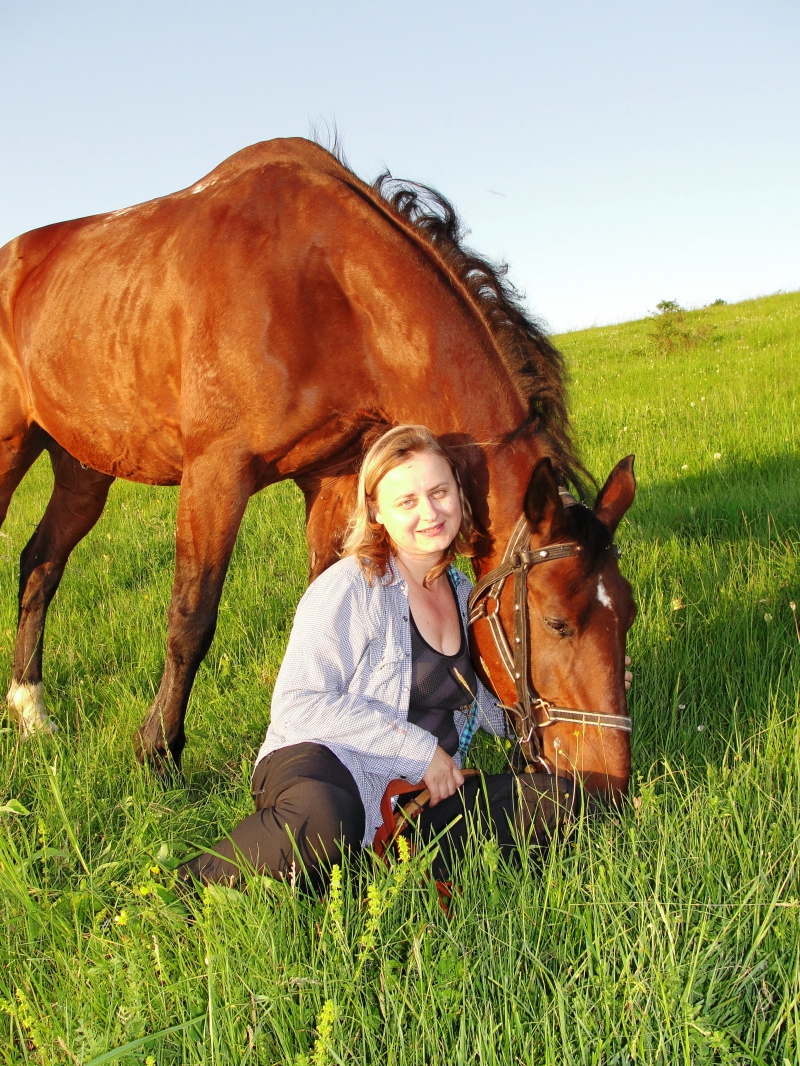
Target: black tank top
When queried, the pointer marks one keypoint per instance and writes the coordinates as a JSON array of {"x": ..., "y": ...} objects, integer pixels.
[{"x": 435, "y": 689}]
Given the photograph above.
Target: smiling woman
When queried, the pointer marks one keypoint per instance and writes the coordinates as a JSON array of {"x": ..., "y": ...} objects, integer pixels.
[
  {"x": 410, "y": 497},
  {"x": 377, "y": 684}
]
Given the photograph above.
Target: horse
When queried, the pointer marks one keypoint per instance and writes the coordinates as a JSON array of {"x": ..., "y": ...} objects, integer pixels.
[{"x": 263, "y": 324}]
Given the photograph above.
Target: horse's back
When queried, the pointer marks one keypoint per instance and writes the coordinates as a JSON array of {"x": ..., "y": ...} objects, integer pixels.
[
  {"x": 98, "y": 316},
  {"x": 78, "y": 253},
  {"x": 283, "y": 151},
  {"x": 230, "y": 311}
]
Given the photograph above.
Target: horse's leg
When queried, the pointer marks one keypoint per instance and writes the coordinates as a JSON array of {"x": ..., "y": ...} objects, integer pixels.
[
  {"x": 77, "y": 501},
  {"x": 17, "y": 455},
  {"x": 18, "y": 452},
  {"x": 329, "y": 504},
  {"x": 213, "y": 497}
]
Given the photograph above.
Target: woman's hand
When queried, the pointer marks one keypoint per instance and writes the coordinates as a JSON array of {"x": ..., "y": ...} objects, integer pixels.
[
  {"x": 443, "y": 777},
  {"x": 628, "y": 674}
]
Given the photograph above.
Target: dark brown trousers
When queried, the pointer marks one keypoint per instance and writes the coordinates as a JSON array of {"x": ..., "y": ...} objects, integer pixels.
[{"x": 308, "y": 811}]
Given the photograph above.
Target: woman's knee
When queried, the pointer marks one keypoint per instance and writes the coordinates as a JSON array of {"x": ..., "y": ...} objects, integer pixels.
[
  {"x": 322, "y": 819},
  {"x": 308, "y": 827}
]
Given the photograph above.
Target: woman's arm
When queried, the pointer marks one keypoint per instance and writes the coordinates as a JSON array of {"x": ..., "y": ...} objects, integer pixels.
[{"x": 329, "y": 644}]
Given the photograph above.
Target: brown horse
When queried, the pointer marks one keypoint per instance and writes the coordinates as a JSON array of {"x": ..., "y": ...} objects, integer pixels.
[{"x": 261, "y": 325}]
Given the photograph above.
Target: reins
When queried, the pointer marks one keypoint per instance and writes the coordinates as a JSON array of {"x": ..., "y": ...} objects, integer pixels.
[
  {"x": 397, "y": 819},
  {"x": 518, "y": 560}
]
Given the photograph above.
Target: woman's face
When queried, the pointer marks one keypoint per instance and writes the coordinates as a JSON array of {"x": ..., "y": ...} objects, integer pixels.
[{"x": 418, "y": 504}]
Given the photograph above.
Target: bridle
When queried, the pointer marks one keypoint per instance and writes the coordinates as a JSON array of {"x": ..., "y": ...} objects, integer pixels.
[{"x": 518, "y": 560}]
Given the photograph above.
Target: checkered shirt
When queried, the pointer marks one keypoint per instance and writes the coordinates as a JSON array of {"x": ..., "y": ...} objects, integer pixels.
[{"x": 345, "y": 682}]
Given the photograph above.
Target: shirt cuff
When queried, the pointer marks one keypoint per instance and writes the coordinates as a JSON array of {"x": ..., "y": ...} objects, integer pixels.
[{"x": 415, "y": 755}]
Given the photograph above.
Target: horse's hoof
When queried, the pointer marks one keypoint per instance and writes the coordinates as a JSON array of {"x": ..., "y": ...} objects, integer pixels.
[
  {"x": 26, "y": 704},
  {"x": 157, "y": 756}
]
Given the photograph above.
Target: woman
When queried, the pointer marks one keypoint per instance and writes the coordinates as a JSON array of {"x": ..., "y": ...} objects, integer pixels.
[{"x": 377, "y": 684}]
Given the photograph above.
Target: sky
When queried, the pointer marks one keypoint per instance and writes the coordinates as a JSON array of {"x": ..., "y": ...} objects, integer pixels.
[{"x": 613, "y": 154}]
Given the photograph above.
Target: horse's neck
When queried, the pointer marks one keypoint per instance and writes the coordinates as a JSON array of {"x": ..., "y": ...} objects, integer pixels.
[
  {"x": 445, "y": 371},
  {"x": 430, "y": 358}
]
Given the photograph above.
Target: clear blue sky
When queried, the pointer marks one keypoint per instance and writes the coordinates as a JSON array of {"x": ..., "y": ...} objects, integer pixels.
[{"x": 615, "y": 154}]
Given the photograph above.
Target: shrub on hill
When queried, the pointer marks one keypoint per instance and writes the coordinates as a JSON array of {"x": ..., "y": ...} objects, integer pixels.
[{"x": 671, "y": 329}]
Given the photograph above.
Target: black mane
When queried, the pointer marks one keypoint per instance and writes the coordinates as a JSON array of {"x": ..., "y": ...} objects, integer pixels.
[{"x": 535, "y": 364}]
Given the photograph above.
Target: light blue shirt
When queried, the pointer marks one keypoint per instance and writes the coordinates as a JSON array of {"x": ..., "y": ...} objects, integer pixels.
[{"x": 345, "y": 682}]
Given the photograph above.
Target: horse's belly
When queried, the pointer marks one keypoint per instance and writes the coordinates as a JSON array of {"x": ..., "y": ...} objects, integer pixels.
[
  {"x": 108, "y": 415},
  {"x": 151, "y": 455},
  {"x": 110, "y": 437},
  {"x": 99, "y": 350}
]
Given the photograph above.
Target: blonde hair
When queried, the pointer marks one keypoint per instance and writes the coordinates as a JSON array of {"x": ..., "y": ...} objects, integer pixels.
[{"x": 367, "y": 539}]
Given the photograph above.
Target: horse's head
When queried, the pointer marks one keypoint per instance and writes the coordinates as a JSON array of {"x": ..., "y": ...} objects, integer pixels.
[{"x": 579, "y": 610}]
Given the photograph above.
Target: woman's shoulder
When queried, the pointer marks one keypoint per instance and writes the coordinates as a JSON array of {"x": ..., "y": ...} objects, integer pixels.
[
  {"x": 339, "y": 593},
  {"x": 346, "y": 579},
  {"x": 344, "y": 574}
]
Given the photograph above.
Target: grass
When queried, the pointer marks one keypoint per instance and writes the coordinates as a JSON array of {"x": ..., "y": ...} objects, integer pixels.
[{"x": 668, "y": 932}]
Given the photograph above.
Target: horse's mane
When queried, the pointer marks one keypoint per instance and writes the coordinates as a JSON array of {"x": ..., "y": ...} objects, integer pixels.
[
  {"x": 534, "y": 363},
  {"x": 536, "y": 366}
]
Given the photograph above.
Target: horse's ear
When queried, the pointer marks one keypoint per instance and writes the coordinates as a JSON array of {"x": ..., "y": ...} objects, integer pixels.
[
  {"x": 544, "y": 508},
  {"x": 616, "y": 495}
]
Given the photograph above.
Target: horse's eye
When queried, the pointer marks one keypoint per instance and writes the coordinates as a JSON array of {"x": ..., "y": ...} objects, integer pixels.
[{"x": 558, "y": 625}]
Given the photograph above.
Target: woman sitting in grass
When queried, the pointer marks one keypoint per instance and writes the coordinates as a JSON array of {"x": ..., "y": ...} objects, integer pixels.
[{"x": 377, "y": 684}]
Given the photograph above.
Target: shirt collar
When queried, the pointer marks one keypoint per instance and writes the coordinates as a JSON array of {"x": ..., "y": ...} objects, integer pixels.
[{"x": 393, "y": 576}]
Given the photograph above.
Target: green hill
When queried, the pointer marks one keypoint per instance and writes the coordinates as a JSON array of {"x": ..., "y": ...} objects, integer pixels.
[{"x": 662, "y": 933}]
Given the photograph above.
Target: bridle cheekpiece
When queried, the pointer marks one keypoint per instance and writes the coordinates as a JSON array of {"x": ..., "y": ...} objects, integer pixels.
[{"x": 518, "y": 560}]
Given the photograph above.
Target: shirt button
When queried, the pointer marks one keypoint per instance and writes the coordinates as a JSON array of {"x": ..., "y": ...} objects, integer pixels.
[{"x": 405, "y": 617}]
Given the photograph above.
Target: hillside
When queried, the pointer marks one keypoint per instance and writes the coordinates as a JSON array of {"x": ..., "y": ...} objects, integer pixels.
[{"x": 665, "y": 932}]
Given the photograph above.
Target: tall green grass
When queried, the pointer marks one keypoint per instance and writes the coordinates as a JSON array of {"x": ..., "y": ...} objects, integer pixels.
[{"x": 666, "y": 932}]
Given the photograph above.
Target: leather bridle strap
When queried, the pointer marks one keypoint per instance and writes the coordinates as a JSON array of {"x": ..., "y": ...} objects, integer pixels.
[
  {"x": 518, "y": 560},
  {"x": 566, "y": 714}
]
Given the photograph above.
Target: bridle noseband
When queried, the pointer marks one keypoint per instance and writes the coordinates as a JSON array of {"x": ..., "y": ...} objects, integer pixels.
[{"x": 518, "y": 560}]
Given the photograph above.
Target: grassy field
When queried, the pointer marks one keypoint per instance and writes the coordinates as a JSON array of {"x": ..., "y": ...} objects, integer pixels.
[{"x": 666, "y": 933}]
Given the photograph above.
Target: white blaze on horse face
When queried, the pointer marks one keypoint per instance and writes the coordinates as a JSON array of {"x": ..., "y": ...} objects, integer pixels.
[
  {"x": 602, "y": 595},
  {"x": 26, "y": 703}
]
